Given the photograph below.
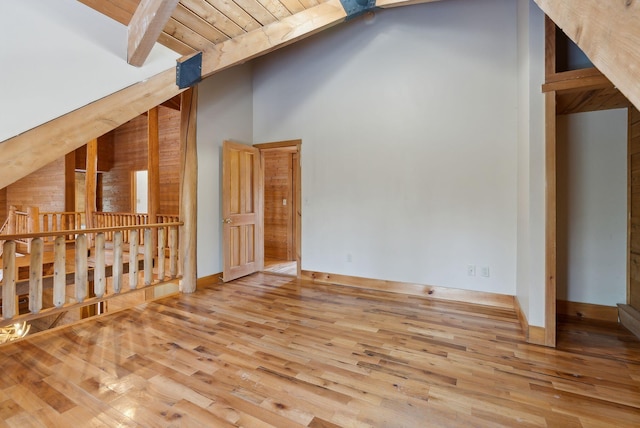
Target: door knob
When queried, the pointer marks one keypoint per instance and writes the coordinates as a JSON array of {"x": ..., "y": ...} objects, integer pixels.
[{"x": 227, "y": 221}]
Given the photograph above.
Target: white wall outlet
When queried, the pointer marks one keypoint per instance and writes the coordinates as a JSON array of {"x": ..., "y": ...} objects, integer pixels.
[
  {"x": 484, "y": 271},
  {"x": 349, "y": 258},
  {"x": 471, "y": 270}
]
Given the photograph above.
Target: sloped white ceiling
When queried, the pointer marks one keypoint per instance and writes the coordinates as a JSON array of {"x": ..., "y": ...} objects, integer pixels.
[{"x": 57, "y": 56}]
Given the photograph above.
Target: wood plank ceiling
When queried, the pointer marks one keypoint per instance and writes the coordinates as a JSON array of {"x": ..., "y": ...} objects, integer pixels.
[{"x": 197, "y": 25}]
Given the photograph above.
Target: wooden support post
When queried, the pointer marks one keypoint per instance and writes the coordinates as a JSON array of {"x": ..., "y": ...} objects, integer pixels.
[
  {"x": 59, "y": 272},
  {"x": 551, "y": 205},
  {"x": 153, "y": 171},
  {"x": 9, "y": 280},
  {"x": 11, "y": 227},
  {"x": 70, "y": 184},
  {"x": 188, "y": 190},
  {"x": 35, "y": 276},
  {"x": 91, "y": 183},
  {"x": 33, "y": 224}
]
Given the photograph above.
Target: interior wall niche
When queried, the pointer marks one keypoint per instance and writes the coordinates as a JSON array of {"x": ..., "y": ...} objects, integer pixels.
[
  {"x": 592, "y": 207},
  {"x": 568, "y": 55}
]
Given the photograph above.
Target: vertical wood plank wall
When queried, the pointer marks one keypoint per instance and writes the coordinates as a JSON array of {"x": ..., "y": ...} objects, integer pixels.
[
  {"x": 43, "y": 188},
  {"x": 278, "y": 218},
  {"x": 105, "y": 154},
  {"x": 169, "y": 125},
  {"x": 130, "y": 154},
  {"x": 633, "y": 292}
]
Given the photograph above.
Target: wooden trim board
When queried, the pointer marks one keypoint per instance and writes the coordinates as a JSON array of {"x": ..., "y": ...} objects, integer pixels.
[
  {"x": 215, "y": 278},
  {"x": 440, "y": 293},
  {"x": 522, "y": 317},
  {"x": 587, "y": 311},
  {"x": 630, "y": 318}
]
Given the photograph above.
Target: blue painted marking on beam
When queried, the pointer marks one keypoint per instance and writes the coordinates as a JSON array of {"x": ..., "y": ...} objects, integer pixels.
[
  {"x": 189, "y": 71},
  {"x": 355, "y": 8}
]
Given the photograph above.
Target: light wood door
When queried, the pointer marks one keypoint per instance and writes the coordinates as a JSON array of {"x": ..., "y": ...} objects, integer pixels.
[{"x": 243, "y": 242}]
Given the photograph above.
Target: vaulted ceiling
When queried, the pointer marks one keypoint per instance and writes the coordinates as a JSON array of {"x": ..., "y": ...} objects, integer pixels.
[
  {"x": 196, "y": 25},
  {"x": 230, "y": 32}
]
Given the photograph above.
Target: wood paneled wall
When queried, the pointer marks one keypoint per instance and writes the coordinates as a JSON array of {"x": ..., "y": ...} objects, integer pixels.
[
  {"x": 278, "y": 217},
  {"x": 634, "y": 208},
  {"x": 169, "y": 125},
  {"x": 130, "y": 154},
  {"x": 105, "y": 154},
  {"x": 43, "y": 188}
]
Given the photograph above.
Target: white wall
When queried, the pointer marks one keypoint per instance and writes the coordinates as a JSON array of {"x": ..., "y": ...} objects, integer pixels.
[
  {"x": 224, "y": 113},
  {"x": 530, "y": 289},
  {"x": 409, "y": 142},
  {"x": 60, "y": 55},
  {"x": 592, "y": 205}
]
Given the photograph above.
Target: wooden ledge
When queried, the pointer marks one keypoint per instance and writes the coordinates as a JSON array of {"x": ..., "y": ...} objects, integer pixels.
[
  {"x": 502, "y": 301},
  {"x": 577, "y": 80}
]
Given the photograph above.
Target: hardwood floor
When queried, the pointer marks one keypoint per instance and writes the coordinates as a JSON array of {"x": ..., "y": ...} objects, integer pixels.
[
  {"x": 284, "y": 267},
  {"x": 268, "y": 350}
]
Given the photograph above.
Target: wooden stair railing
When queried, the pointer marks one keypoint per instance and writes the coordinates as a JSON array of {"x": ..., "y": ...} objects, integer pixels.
[
  {"x": 3, "y": 231},
  {"x": 56, "y": 221},
  {"x": 85, "y": 272}
]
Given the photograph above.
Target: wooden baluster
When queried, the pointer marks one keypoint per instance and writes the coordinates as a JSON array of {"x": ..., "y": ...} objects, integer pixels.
[
  {"x": 35, "y": 276},
  {"x": 81, "y": 276},
  {"x": 148, "y": 257},
  {"x": 117, "y": 262},
  {"x": 9, "y": 280},
  {"x": 173, "y": 251},
  {"x": 45, "y": 222},
  {"x": 99, "y": 279},
  {"x": 133, "y": 259},
  {"x": 59, "y": 272},
  {"x": 161, "y": 234}
]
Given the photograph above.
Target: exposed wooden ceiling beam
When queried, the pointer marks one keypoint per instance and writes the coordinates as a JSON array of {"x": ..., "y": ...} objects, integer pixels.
[
  {"x": 395, "y": 3},
  {"x": 30, "y": 151},
  {"x": 608, "y": 33},
  {"x": 271, "y": 37},
  {"x": 145, "y": 27}
]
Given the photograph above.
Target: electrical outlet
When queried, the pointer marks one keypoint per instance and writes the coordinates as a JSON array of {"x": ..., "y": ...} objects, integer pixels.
[
  {"x": 471, "y": 270},
  {"x": 349, "y": 259},
  {"x": 484, "y": 271}
]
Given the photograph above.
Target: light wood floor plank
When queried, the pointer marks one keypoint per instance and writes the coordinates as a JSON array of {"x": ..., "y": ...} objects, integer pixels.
[{"x": 274, "y": 351}]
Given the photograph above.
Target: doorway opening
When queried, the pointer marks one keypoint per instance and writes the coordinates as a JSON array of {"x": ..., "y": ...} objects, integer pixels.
[
  {"x": 282, "y": 213},
  {"x": 139, "y": 192}
]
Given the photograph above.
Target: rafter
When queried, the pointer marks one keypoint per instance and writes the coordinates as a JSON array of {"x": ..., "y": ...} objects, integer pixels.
[
  {"x": 271, "y": 37},
  {"x": 608, "y": 33},
  {"x": 145, "y": 27},
  {"x": 30, "y": 151}
]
